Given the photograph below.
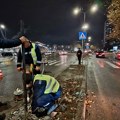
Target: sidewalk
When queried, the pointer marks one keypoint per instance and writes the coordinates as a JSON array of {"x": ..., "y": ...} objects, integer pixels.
[{"x": 72, "y": 81}]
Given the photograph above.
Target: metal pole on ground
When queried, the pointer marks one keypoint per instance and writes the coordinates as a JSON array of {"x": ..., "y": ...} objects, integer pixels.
[
  {"x": 24, "y": 71},
  {"x": 82, "y": 50}
]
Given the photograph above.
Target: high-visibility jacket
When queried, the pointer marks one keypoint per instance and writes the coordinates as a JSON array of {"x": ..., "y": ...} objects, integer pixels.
[
  {"x": 32, "y": 56},
  {"x": 33, "y": 53},
  {"x": 52, "y": 85}
]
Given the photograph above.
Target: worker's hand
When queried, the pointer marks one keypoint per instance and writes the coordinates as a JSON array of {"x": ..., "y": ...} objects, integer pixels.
[
  {"x": 19, "y": 68},
  {"x": 23, "y": 39},
  {"x": 37, "y": 68}
]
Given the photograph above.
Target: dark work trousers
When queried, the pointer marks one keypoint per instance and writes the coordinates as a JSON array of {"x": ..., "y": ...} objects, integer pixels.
[{"x": 79, "y": 59}]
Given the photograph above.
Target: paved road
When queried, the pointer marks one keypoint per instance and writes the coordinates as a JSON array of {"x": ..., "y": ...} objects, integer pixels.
[
  {"x": 12, "y": 79},
  {"x": 103, "y": 90}
]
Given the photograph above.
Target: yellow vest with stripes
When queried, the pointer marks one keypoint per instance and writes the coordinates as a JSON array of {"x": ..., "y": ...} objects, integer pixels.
[
  {"x": 33, "y": 53},
  {"x": 52, "y": 84}
]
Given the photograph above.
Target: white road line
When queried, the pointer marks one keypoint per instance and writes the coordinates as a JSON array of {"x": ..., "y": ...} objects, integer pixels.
[
  {"x": 112, "y": 65},
  {"x": 54, "y": 63},
  {"x": 59, "y": 64},
  {"x": 51, "y": 61}
]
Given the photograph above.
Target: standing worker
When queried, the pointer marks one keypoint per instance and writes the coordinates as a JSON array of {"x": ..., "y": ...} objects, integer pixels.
[
  {"x": 79, "y": 55},
  {"x": 32, "y": 60},
  {"x": 6, "y": 43}
]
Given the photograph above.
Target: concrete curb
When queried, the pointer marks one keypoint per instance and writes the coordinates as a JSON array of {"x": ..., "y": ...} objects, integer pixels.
[{"x": 84, "y": 91}]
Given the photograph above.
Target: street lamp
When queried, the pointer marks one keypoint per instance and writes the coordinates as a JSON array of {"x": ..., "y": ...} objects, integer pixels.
[
  {"x": 94, "y": 8},
  {"x": 89, "y": 38},
  {"x": 85, "y": 26},
  {"x": 2, "y": 27},
  {"x": 76, "y": 11}
]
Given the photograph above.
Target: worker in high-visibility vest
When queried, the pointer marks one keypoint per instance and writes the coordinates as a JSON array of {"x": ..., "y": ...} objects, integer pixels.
[
  {"x": 33, "y": 59},
  {"x": 46, "y": 90},
  {"x": 8, "y": 43},
  {"x": 32, "y": 56}
]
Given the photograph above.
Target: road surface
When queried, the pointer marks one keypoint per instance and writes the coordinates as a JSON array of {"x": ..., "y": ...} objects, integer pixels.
[
  {"x": 12, "y": 78},
  {"x": 103, "y": 85}
]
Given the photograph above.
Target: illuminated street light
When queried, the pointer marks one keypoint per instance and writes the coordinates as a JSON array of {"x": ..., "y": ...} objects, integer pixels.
[
  {"x": 3, "y": 30},
  {"x": 2, "y": 26},
  {"x": 85, "y": 26},
  {"x": 76, "y": 11},
  {"x": 94, "y": 8},
  {"x": 89, "y": 38}
]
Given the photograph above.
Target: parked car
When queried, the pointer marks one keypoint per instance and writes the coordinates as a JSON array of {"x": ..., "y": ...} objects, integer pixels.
[
  {"x": 100, "y": 54},
  {"x": 117, "y": 55}
]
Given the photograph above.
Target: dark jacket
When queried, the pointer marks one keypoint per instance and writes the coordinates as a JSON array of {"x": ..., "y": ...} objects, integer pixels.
[
  {"x": 8, "y": 43},
  {"x": 28, "y": 57},
  {"x": 79, "y": 53}
]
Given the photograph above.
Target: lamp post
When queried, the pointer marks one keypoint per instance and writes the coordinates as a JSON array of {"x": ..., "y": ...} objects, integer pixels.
[
  {"x": 2, "y": 27},
  {"x": 85, "y": 26}
]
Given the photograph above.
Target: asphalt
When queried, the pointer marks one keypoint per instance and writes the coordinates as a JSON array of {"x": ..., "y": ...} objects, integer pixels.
[{"x": 74, "y": 77}]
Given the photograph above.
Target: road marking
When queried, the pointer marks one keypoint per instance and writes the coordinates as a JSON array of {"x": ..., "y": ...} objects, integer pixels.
[
  {"x": 59, "y": 64},
  {"x": 54, "y": 63},
  {"x": 112, "y": 65},
  {"x": 51, "y": 61}
]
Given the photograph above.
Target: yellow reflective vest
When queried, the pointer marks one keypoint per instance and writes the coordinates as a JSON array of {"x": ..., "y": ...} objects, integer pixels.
[
  {"x": 52, "y": 84},
  {"x": 33, "y": 54}
]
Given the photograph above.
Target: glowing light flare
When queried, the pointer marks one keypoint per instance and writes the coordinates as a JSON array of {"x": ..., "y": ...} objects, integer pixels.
[
  {"x": 76, "y": 11},
  {"x": 2, "y": 26},
  {"x": 85, "y": 26},
  {"x": 94, "y": 8},
  {"x": 63, "y": 59}
]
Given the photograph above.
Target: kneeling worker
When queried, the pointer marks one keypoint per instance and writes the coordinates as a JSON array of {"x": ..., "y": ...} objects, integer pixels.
[{"x": 46, "y": 90}]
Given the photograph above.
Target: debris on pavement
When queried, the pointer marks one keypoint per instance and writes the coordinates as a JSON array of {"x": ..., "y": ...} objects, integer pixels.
[{"x": 70, "y": 103}]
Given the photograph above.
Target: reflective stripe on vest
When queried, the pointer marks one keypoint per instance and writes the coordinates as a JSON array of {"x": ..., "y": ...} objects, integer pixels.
[
  {"x": 33, "y": 53},
  {"x": 52, "y": 84}
]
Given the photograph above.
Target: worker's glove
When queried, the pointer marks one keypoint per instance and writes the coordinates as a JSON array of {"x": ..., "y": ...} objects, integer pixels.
[
  {"x": 37, "y": 68},
  {"x": 19, "y": 68}
]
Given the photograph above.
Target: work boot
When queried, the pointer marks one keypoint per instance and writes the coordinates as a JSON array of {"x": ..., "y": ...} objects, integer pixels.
[
  {"x": 3, "y": 104},
  {"x": 2, "y": 116}
]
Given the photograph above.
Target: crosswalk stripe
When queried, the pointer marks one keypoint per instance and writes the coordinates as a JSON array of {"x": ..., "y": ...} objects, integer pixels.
[
  {"x": 53, "y": 63},
  {"x": 59, "y": 64},
  {"x": 112, "y": 65}
]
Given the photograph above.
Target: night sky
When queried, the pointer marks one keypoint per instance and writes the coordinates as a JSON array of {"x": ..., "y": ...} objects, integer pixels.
[{"x": 51, "y": 21}]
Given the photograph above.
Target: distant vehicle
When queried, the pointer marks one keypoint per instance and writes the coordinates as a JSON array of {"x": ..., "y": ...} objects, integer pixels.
[
  {"x": 7, "y": 54},
  {"x": 63, "y": 52},
  {"x": 100, "y": 54},
  {"x": 48, "y": 53},
  {"x": 117, "y": 55}
]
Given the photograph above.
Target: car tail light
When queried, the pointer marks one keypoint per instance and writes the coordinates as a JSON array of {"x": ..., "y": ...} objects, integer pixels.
[
  {"x": 97, "y": 53},
  {"x": 118, "y": 54}
]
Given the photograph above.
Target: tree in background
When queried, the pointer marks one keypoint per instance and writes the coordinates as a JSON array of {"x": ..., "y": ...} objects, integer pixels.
[{"x": 114, "y": 18}]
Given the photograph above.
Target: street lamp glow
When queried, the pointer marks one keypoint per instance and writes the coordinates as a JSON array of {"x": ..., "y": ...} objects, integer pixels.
[
  {"x": 2, "y": 26},
  {"x": 76, "y": 11},
  {"x": 89, "y": 38},
  {"x": 94, "y": 8},
  {"x": 85, "y": 26}
]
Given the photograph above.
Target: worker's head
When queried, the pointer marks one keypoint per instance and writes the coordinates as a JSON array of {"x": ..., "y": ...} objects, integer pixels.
[{"x": 27, "y": 42}]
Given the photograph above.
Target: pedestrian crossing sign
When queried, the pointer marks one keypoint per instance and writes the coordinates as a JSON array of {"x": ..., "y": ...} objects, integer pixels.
[{"x": 82, "y": 35}]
